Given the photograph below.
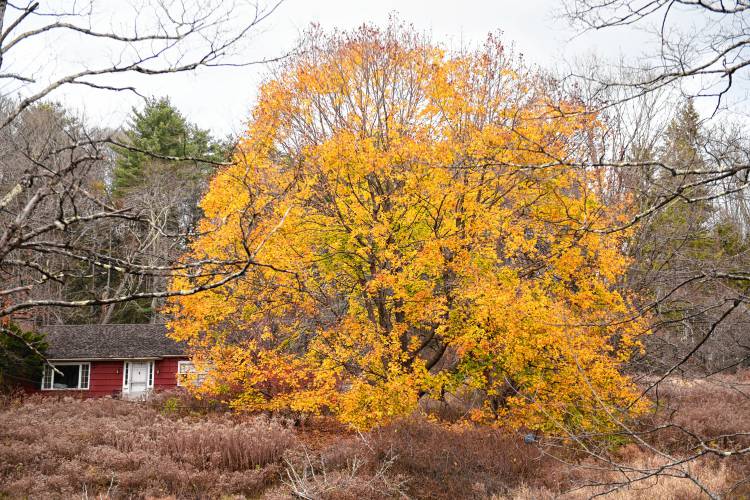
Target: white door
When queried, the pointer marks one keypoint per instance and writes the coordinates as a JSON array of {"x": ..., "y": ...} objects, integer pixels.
[{"x": 138, "y": 383}]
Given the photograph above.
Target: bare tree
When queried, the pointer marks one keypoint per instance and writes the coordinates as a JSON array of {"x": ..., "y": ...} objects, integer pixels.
[
  {"x": 686, "y": 186},
  {"x": 56, "y": 212},
  {"x": 703, "y": 44},
  {"x": 688, "y": 66}
]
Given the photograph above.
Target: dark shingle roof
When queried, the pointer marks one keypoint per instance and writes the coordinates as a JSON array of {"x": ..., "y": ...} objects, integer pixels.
[{"x": 110, "y": 342}]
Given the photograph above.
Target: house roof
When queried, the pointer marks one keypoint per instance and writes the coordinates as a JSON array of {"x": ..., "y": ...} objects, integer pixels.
[{"x": 110, "y": 342}]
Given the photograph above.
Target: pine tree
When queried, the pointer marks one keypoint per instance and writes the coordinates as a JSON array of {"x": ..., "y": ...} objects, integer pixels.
[
  {"x": 18, "y": 362},
  {"x": 160, "y": 129},
  {"x": 690, "y": 215}
]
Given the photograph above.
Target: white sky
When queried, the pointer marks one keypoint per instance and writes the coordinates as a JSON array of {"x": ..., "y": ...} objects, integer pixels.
[{"x": 220, "y": 99}]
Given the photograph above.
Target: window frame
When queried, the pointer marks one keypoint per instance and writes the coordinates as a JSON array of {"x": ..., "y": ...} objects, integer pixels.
[
  {"x": 181, "y": 374},
  {"x": 48, "y": 370},
  {"x": 125, "y": 373}
]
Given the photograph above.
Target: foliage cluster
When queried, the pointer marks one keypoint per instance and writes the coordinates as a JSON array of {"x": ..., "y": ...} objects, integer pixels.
[
  {"x": 418, "y": 230},
  {"x": 160, "y": 130}
]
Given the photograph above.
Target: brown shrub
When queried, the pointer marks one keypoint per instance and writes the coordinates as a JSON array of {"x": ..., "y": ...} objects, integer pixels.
[
  {"x": 308, "y": 476},
  {"x": 450, "y": 462},
  {"x": 52, "y": 448},
  {"x": 246, "y": 445},
  {"x": 179, "y": 402},
  {"x": 422, "y": 459},
  {"x": 716, "y": 410}
]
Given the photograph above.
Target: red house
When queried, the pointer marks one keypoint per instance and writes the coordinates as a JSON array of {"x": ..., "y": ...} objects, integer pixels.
[{"x": 126, "y": 361}]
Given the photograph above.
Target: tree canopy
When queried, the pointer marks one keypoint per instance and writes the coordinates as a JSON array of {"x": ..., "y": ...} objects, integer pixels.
[{"x": 419, "y": 232}]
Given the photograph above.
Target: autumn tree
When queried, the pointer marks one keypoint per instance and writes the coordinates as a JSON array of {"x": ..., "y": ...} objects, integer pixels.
[{"x": 419, "y": 233}]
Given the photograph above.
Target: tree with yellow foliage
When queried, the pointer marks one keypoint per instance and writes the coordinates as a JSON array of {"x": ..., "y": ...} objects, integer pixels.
[{"x": 417, "y": 232}]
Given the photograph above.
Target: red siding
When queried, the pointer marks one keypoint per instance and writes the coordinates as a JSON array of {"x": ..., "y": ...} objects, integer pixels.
[
  {"x": 106, "y": 378},
  {"x": 165, "y": 376}
]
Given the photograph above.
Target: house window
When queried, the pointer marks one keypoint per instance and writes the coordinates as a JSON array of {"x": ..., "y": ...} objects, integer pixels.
[
  {"x": 70, "y": 376},
  {"x": 84, "y": 383},
  {"x": 151, "y": 374},
  {"x": 184, "y": 371},
  {"x": 47, "y": 378}
]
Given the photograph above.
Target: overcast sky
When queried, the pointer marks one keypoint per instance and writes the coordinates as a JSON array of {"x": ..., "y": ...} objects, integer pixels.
[{"x": 220, "y": 99}]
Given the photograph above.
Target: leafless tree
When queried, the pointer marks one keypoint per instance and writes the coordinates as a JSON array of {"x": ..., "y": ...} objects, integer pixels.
[
  {"x": 703, "y": 44},
  {"x": 636, "y": 103},
  {"x": 57, "y": 217},
  {"x": 688, "y": 199}
]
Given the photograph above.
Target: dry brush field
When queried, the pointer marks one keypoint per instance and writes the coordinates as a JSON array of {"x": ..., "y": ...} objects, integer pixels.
[{"x": 177, "y": 448}]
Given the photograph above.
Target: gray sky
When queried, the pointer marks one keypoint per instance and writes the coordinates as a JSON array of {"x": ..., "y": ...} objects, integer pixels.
[{"x": 220, "y": 98}]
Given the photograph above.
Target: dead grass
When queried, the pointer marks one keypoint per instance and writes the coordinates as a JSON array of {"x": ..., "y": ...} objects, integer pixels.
[
  {"x": 716, "y": 409},
  {"x": 63, "y": 448},
  {"x": 177, "y": 448}
]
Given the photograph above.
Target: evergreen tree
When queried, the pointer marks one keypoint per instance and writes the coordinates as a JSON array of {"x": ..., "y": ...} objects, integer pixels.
[
  {"x": 688, "y": 233},
  {"x": 19, "y": 363},
  {"x": 689, "y": 217},
  {"x": 162, "y": 130},
  {"x": 684, "y": 136}
]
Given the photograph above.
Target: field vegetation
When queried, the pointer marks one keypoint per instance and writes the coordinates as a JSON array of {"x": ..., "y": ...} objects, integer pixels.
[{"x": 177, "y": 447}]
